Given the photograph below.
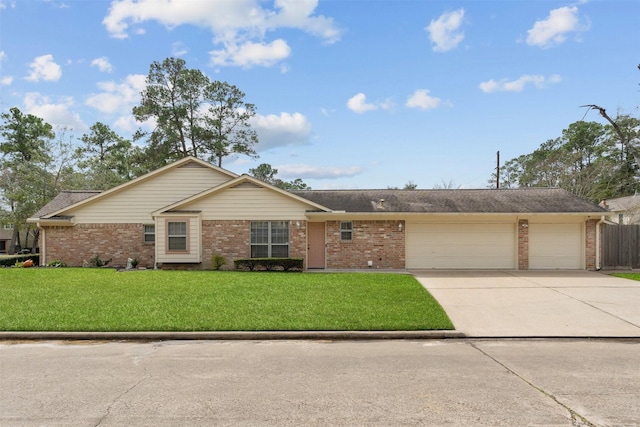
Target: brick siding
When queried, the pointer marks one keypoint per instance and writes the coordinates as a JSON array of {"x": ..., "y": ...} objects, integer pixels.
[
  {"x": 523, "y": 244},
  {"x": 590, "y": 244},
  {"x": 118, "y": 242},
  {"x": 378, "y": 241}
]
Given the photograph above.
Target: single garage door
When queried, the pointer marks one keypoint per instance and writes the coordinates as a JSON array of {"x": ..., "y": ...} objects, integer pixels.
[
  {"x": 555, "y": 246},
  {"x": 464, "y": 246}
]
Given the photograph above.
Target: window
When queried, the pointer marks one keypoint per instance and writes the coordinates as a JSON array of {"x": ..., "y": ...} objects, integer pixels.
[
  {"x": 149, "y": 233},
  {"x": 8, "y": 226},
  {"x": 269, "y": 239},
  {"x": 346, "y": 231},
  {"x": 177, "y": 236}
]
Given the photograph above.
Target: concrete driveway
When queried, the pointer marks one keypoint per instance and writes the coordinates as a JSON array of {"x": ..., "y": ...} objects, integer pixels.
[{"x": 536, "y": 303}]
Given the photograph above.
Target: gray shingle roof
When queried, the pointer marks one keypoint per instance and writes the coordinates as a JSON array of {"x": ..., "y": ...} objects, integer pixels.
[
  {"x": 62, "y": 200},
  {"x": 526, "y": 200}
]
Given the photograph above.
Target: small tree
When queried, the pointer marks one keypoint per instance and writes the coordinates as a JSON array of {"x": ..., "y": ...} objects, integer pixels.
[{"x": 264, "y": 172}]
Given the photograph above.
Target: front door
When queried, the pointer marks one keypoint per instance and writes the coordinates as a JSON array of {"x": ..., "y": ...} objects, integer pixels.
[{"x": 316, "y": 245}]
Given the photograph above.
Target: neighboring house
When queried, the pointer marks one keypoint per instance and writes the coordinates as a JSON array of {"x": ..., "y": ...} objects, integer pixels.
[
  {"x": 623, "y": 210},
  {"x": 6, "y": 234},
  {"x": 181, "y": 215}
]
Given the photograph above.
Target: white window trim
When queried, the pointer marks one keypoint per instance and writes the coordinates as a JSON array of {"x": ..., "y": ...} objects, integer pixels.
[
  {"x": 349, "y": 230},
  {"x": 145, "y": 233},
  {"x": 269, "y": 243},
  {"x": 187, "y": 236}
]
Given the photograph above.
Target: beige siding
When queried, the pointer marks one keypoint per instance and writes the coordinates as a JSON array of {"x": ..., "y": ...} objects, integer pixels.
[
  {"x": 194, "y": 253},
  {"x": 135, "y": 203},
  {"x": 249, "y": 203}
]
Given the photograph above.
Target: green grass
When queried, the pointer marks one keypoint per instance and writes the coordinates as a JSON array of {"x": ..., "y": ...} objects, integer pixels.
[
  {"x": 69, "y": 299},
  {"x": 632, "y": 276}
]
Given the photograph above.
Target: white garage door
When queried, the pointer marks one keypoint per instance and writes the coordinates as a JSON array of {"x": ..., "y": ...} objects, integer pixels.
[
  {"x": 465, "y": 246},
  {"x": 555, "y": 246}
]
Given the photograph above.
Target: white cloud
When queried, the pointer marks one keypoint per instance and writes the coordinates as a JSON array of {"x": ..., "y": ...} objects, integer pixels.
[
  {"x": 239, "y": 26},
  {"x": 103, "y": 64},
  {"x": 250, "y": 54},
  {"x": 358, "y": 104},
  {"x": 56, "y": 114},
  {"x": 518, "y": 85},
  {"x": 118, "y": 98},
  {"x": 44, "y": 68},
  {"x": 554, "y": 29},
  {"x": 279, "y": 130},
  {"x": 445, "y": 32},
  {"x": 304, "y": 171},
  {"x": 4, "y": 80},
  {"x": 178, "y": 49},
  {"x": 422, "y": 100}
]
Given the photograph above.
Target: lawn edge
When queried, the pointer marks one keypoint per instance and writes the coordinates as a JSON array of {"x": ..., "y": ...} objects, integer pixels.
[{"x": 231, "y": 335}]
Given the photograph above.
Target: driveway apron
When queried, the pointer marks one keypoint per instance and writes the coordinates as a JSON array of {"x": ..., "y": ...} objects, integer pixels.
[{"x": 536, "y": 303}]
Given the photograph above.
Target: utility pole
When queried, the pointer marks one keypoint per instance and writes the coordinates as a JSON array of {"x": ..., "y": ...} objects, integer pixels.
[{"x": 498, "y": 170}]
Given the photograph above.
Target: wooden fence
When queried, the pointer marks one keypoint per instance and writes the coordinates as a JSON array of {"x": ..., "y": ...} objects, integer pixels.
[{"x": 621, "y": 246}]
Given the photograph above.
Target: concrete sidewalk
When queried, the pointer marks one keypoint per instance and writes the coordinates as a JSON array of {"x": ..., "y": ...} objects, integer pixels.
[{"x": 536, "y": 303}]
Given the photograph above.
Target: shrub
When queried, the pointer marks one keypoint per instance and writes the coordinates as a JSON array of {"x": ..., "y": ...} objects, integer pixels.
[
  {"x": 269, "y": 264},
  {"x": 97, "y": 262},
  {"x": 217, "y": 261},
  {"x": 13, "y": 260},
  {"x": 56, "y": 263}
]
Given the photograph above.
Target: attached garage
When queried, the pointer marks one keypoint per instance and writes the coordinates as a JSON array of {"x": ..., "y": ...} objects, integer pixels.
[
  {"x": 555, "y": 246},
  {"x": 461, "y": 245}
]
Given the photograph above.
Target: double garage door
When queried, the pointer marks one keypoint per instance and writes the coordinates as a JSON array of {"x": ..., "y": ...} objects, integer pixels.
[{"x": 491, "y": 246}]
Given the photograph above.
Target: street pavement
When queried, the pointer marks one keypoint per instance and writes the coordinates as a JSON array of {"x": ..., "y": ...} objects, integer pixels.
[
  {"x": 345, "y": 380},
  {"x": 536, "y": 303},
  {"x": 316, "y": 383}
]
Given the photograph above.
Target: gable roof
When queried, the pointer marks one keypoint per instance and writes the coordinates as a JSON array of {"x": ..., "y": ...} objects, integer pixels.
[
  {"x": 525, "y": 200},
  {"x": 57, "y": 205},
  {"x": 62, "y": 200},
  {"x": 622, "y": 204},
  {"x": 244, "y": 178}
]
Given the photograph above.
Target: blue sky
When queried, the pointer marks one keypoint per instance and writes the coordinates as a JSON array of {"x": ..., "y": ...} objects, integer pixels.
[{"x": 349, "y": 94}]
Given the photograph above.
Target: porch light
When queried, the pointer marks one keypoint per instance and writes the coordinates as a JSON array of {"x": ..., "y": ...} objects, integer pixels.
[{"x": 399, "y": 226}]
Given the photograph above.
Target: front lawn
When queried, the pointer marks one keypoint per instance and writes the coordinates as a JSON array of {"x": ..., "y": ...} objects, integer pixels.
[{"x": 74, "y": 299}]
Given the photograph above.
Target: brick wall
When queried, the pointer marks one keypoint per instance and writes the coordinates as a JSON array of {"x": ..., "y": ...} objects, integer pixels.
[
  {"x": 590, "y": 243},
  {"x": 523, "y": 244},
  {"x": 378, "y": 241},
  {"x": 231, "y": 240},
  {"x": 77, "y": 245}
]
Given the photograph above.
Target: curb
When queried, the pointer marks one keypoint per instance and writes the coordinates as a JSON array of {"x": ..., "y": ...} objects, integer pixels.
[{"x": 248, "y": 335}]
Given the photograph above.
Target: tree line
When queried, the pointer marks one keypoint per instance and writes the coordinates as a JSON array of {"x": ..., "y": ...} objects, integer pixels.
[
  {"x": 589, "y": 159},
  {"x": 192, "y": 116}
]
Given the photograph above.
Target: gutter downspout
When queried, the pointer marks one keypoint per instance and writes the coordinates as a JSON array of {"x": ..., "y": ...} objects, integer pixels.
[{"x": 598, "y": 237}]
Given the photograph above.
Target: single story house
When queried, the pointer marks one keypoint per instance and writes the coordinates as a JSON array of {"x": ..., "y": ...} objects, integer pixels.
[
  {"x": 623, "y": 210},
  {"x": 184, "y": 213}
]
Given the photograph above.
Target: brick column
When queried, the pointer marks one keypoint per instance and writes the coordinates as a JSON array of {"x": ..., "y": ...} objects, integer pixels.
[
  {"x": 590, "y": 244},
  {"x": 523, "y": 244}
]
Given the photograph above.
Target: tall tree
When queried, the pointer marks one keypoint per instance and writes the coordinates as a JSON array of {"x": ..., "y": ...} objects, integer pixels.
[
  {"x": 227, "y": 128},
  {"x": 172, "y": 98},
  {"x": 25, "y": 182},
  {"x": 193, "y": 115},
  {"x": 106, "y": 158}
]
